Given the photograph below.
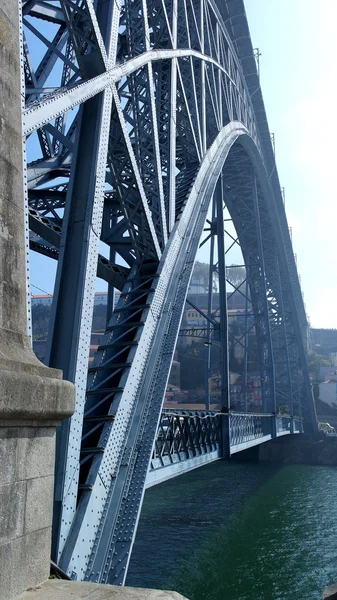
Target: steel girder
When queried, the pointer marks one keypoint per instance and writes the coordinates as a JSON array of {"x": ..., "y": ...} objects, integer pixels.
[{"x": 133, "y": 110}]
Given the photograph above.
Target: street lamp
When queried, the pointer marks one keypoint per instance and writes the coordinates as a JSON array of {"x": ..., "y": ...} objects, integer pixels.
[{"x": 208, "y": 343}]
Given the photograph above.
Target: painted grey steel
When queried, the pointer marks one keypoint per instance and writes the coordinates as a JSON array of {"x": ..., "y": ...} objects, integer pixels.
[
  {"x": 182, "y": 435},
  {"x": 223, "y": 328},
  {"x": 186, "y": 440},
  {"x": 269, "y": 373},
  {"x": 137, "y": 108}
]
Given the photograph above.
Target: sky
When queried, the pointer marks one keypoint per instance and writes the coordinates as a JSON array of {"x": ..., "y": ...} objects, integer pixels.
[
  {"x": 297, "y": 39},
  {"x": 298, "y": 42}
]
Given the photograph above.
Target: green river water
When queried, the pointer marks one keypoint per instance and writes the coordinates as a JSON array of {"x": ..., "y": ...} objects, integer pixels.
[{"x": 240, "y": 531}]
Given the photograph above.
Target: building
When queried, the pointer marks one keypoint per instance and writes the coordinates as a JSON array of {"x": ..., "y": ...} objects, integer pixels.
[
  {"x": 323, "y": 341},
  {"x": 95, "y": 341},
  {"x": 326, "y": 373},
  {"x": 42, "y": 300},
  {"x": 236, "y": 309},
  {"x": 40, "y": 347},
  {"x": 328, "y": 392},
  {"x": 102, "y": 298},
  {"x": 174, "y": 379},
  {"x": 47, "y": 299}
]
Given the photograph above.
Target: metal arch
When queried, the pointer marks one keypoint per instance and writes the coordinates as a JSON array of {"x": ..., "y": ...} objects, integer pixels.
[
  {"x": 162, "y": 98},
  {"x": 113, "y": 534},
  {"x": 155, "y": 345}
]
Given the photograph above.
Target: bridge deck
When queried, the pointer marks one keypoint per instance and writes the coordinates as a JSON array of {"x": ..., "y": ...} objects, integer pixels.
[{"x": 188, "y": 441}]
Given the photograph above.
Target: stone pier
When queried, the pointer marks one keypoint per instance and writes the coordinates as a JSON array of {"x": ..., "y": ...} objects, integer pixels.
[{"x": 33, "y": 398}]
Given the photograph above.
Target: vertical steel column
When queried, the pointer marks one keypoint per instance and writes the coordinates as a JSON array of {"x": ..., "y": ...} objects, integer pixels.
[
  {"x": 281, "y": 307},
  {"x": 209, "y": 310},
  {"x": 268, "y": 340},
  {"x": 203, "y": 80},
  {"x": 299, "y": 395},
  {"x": 245, "y": 358},
  {"x": 109, "y": 222},
  {"x": 173, "y": 123},
  {"x": 224, "y": 358},
  {"x": 71, "y": 318},
  {"x": 111, "y": 291},
  {"x": 271, "y": 369}
]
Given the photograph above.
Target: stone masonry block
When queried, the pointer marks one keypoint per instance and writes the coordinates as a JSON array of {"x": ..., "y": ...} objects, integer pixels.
[
  {"x": 28, "y": 396},
  {"x": 9, "y": 10},
  {"x": 11, "y": 188},
  {"x": 8, "y": 454},
  {"x": 12, "y": 510},
  {"x": 30, "y": 561},
  {"x": 5, "y": 571},
  {"x": 10, "y": 139},
  {"x": 39, "y": 502},
  {"x": 10, "y": 59},
  {"x": 36, "y": 452},
  {"x": 56, "y": 589},
  {"x": 8, "y": 92}
]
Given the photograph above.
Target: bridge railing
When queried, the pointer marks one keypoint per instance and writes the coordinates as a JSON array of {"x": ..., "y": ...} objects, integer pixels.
[
  {"x": 287, "y": 424},
  {"x": 245, "y": 428},
  {"x": 283, "y": 424},
  {"x": 187, "y": 435},
  {"x": 298, "y": 425},
  {"x": 183, "y": 435}
]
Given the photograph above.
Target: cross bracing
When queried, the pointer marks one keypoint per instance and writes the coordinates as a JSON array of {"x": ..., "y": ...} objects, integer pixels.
[{"x": 138, "y": 115}]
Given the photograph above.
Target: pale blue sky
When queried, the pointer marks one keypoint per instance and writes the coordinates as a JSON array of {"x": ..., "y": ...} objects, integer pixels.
[{"x": 297, "y": 39}]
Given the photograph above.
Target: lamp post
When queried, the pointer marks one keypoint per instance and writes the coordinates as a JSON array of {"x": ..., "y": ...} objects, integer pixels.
[{"x": 208, "y": 343}]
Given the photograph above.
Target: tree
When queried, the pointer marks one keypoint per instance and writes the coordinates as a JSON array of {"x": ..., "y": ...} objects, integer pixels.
[
  {"x": 315, "y": 362},
  {"x": 41, "y": 317},
  {"x": 40, "y": 321},
  {"x": 235, "y": 275},
  {"x": 192, "y": 360},
  {"x": 99, "y": 318},
  {"x": 200, "y": 276}
]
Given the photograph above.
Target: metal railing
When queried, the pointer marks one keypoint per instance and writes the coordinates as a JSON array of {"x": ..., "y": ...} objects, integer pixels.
[
  {"x": 247, "y": 427},
  {"x": 283, "y": 424},
  {"x": 184, "y": 435}
]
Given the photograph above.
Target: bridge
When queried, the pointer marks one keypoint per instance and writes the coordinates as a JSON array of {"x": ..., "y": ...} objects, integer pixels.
[
  {"x": 145, "y": 131},
  {"x": 186, "y": 440}
]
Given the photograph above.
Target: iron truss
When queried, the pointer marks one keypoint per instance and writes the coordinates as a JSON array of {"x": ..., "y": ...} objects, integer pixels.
[{"x": 134, "y": 110}]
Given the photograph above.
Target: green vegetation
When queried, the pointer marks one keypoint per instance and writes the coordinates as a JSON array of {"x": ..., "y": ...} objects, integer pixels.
[{"x": 41, "y": 317}]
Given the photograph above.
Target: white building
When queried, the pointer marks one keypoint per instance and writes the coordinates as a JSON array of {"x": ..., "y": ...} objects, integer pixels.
[
  {"x": 328, "y": 392},
  {"x": 44, "y": 299},
  {"x": 47, "y": 299},
  {"x": 101, "y": 298}
]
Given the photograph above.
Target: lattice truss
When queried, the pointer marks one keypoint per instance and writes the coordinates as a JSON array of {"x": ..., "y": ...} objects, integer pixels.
[{"x": 131, "y": 108}]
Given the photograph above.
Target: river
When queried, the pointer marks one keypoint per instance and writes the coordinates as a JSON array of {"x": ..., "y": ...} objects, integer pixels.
[{"x": 240, "y": 531}]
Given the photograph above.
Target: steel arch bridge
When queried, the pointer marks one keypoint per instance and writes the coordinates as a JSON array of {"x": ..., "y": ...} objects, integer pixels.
[{"x": 141, "y": 119}]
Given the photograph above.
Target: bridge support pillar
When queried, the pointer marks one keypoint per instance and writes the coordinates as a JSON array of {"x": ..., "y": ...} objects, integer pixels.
[
  {"x": 225, "y": 436},
  {"x": 274, "y": 426},
  {"x": 33, "y": 398}
]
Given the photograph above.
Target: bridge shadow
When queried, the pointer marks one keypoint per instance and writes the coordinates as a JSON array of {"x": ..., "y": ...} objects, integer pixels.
[{"x": 181, "y": 514}]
